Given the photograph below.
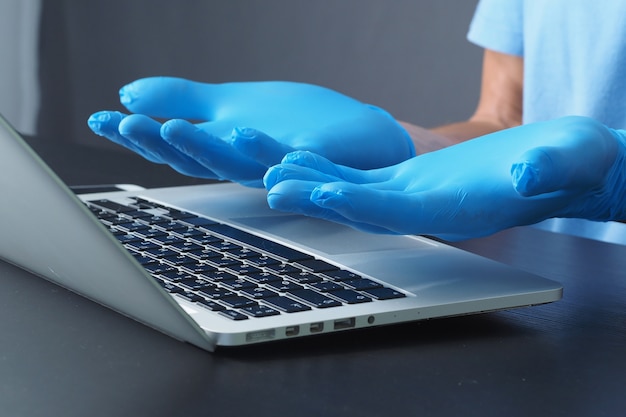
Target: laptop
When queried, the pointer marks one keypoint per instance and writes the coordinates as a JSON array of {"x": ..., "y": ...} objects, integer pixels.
[{"x": 213, "y": 266}]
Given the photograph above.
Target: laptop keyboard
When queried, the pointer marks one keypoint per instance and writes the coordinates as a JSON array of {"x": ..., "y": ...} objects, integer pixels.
[{"x": 227, "y": 270}]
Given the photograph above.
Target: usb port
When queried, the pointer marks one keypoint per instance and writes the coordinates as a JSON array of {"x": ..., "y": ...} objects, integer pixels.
[{"x": 344, "y": 323}]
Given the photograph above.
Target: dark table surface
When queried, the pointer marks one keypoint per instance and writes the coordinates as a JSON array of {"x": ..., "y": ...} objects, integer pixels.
[{"x": 62, "y": 355}]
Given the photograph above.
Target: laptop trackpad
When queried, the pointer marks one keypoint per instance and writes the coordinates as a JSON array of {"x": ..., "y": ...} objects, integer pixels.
[{"x": 324, "y": 236}]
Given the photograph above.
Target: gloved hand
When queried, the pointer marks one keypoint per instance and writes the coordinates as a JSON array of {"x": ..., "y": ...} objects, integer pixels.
[
  {"x": 246, "y": 127},
  {"x": 568, "y": 167}
]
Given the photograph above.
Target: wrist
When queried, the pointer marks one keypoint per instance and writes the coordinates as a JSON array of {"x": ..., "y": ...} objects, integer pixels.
[{"x": 425, "y": 140}]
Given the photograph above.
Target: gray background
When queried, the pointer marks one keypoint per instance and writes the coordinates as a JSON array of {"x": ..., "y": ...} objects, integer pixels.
[{"x": 410, "y": 57}]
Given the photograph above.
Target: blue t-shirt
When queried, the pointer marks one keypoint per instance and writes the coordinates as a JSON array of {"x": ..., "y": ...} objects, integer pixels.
[{"x": 574, "y": 54}]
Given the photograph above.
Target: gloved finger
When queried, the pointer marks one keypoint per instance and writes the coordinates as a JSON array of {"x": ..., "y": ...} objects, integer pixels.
[
  {"x": 144, "y": 133},
  {"x": 258, "y": 146},
  {"x": 434, "y": 213},
  {"x": 285, "y": 172},
  {"x": 170, "y": 98},
  {"x": 294, "y": 196},
  {"x": 319, "y": 163},
  {"x": 392, "y": 210},
  {"x": 106, "y": 124},
  {"x": 395, "y": 211},
  {"x": 212, "y": 152}
]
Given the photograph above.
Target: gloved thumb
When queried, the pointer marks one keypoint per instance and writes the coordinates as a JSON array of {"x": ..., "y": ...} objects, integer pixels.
[
  {"x": 538, "y": 171},
  {"x": 547, "y": 169}
]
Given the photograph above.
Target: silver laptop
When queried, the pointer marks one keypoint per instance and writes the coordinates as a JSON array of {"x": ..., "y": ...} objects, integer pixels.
[{"x": 212, "y": 265}]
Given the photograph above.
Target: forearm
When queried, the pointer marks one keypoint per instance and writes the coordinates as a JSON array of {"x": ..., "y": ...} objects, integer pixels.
[
  {"x": 499, "y": 106},
  {"x": 427, "y": 140}
]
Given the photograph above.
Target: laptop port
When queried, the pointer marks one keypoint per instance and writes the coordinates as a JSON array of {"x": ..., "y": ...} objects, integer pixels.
[
  {"x": 292, "y": 330},
  {"x": 316, "y": 327},
  {"x": 344, "y": 323}
]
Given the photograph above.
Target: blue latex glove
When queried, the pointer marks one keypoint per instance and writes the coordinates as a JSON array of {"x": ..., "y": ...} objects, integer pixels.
[
  {"x": 569, "y": 167},
  {"x": 246, "y": 127}
]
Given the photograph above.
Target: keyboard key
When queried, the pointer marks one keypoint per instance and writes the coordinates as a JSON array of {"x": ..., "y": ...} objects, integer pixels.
[
  {"x": 260, "y": 311},
  {"x": 242, "y": 253},
  {"x": 174, "y": 226},
  {"x": 195, "y": 284},
  {"x": 263, "y": 277},
  {"x": 200, "y": 268},
  {"x": 137, "y": 214},
  {"x": 216, "y": 293},
  {"x": 223, "y": 262},
  {"x": 340, "y": 275},
  {"x": 259, "y": 293},
  {"x": 238, "y": 301},
  {"x": 112, "y": 205},
  {"x": 211, "y": 305},
  {"x": 199, "y": 236},
  {"x": 350, "y": 296},
  {"x": 101, "y": 214},
  {"x": 262, "y": 261},
  {"x": 177, "y": 214},
  {"x": 326, "y": 286},
  {"x": 282, "y": 269},
  {"x": 168, "y": 239},
  {"x": 124, "y": 237},
  {"x": 157, "y": 268},
  {"x": 304, "y": 277},
  {"x": 141, "y": 245},
  {"x": 205, "y": 254},
  {"x": 169, "y": 287},
  {"x": 225, "y": 246},
  {"x": 284, "y": 285},
  {"x": 244, "y": 269},
  {"x": 233, "y": 315},
  {"x": 286, "y": 304},
  {"x": 361, "y": 284},
  {"x": 144, "y": 260},
  {"x": 154, "y": 220},
  {"x": 186, "y": 246},
  {"x": 160, "y": 252},
  {"x": 384, "y": 293},
  {"x": 315, "y": 265},
  {"x": 151, "y": 233},
  {"x": 314, "y": 298},
  {"x": 142, "y": 203},
  {"x": 191, "y": 219},
  {"x": 189, "y": 296},
  {"x": 238, "y": 284},
  {"x": 218, "y": 276},
  {"x": 133, "y": 226},
  {"x": 176, "y": 275},
  {"x": 179, "y": 259}
]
